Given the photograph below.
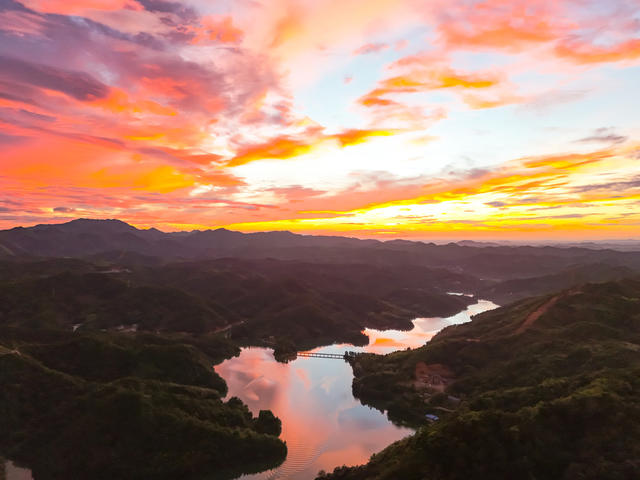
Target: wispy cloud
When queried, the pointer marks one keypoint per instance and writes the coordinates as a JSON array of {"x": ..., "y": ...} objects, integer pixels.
[{"x": 604, "y": 135}]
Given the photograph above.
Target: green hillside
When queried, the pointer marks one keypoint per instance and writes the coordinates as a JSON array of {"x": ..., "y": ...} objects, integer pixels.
[
  {"x": 546, "y": 388},
  {"x": 108, "y": 406}
]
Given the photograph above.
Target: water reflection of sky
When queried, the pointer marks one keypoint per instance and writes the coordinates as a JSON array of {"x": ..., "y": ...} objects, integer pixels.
[
  {"x": 12, "y": 472},
  {"x": 323, "y": 424},
  {"x": 386, "y": 341}
]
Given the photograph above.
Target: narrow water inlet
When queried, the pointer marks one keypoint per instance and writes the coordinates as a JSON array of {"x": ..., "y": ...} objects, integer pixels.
[{"x": 323, "y": 424}]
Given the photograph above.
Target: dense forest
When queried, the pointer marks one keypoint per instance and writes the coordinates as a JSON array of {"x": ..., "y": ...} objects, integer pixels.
[
  {"x": 107, "y": 405},
  {"x": 257, "y": 302},
  {"x": 548, "y": 387}
]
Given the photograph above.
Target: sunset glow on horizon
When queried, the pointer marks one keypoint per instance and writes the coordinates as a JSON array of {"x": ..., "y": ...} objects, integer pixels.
[{"x": 465, "y": 119}]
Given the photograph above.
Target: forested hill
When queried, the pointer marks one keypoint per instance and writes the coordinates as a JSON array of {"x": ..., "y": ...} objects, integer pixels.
[
  {"x": 101, "y": 405},
  {"x": 309, "y": 304},
  {"x": 546, "y": 388}
]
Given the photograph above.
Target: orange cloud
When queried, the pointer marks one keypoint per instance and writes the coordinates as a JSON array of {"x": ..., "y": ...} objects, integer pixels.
[
  {"x": 425, "y": 79},
  {"x": 285, "y": 147},
  {"x": 518, "y": 25},
  {"x": 280, "y": 147},
  {"x": 118, "y": 102},
  {"x": 496, "y": 99},
  {"x": 433, "y": 79},
  {"x": 292, "y": 28},
  {"x": 190, "y": 156},
  {"x": 502, "y": 33},
  {"x": 466, "y": 82},
  {"x": 218, "y": 29},
  {"x": 524, "y": 175},
  {"x": 569, "y": 161},
  {"x": 161, "y": 179},
  {"x": 29, "y": 164},
  {"x": 588, "y": 53},
  {"x": 161, "y": 135},
  {"x": 163, "y": 86},
  {"x": 373, "y": 99},
  {"x": 502, "y": 24},
  {"x": 92, "y": 162},
  {"x": 356, "y": 136},
  {"x": 217, "y": 178}
]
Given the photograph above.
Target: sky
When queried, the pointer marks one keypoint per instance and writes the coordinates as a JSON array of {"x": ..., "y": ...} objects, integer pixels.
[{"x": 432, "y": 119}]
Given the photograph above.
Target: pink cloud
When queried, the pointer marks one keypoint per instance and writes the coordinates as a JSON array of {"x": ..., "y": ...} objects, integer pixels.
[
  {"x": 218, "y": 29},
  {"x": 75, "y": 7},
  {"x": 370, "y": 48}
]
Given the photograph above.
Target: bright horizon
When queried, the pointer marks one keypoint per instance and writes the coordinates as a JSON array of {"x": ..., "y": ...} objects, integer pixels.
[{"x": 493, "y": 120}]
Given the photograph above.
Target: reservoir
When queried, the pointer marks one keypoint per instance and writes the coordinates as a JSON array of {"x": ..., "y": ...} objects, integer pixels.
[
  {"x": 9, "y": 471},
  {"x": 323, "y": 424}
]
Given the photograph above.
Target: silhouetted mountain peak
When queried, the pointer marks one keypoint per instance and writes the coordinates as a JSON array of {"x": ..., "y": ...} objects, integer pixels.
[{"x": 94, "y": 222}]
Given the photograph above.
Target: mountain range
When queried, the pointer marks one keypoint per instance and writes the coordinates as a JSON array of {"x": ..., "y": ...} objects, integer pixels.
[{"x": 116, "y": 240}]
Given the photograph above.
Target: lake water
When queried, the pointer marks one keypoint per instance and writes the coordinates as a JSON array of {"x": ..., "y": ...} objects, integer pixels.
[
  {"x": 323, "y": 424},
  {"x": 12, "y": 472}
]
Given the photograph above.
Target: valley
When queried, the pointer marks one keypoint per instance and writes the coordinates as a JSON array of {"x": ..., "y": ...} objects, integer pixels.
[{"x": 117, "y": 347}]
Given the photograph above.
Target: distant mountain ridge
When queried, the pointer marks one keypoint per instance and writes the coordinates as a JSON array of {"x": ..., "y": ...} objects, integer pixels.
[
  {"x": 83, "y": 237},
  {"x": 114, "y": 239}
]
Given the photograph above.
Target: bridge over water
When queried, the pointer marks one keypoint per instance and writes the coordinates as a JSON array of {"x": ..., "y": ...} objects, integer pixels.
[{"x": 338, "y": 356}]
